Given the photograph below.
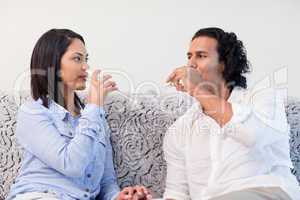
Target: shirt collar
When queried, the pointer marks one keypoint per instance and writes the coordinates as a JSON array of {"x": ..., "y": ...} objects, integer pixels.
[
  {"x": 237, "y": 95},
  {"x": 56, "y": 109}
]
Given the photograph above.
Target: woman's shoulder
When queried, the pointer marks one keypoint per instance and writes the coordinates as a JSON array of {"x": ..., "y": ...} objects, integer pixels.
[{"x": 33, "y": 107}]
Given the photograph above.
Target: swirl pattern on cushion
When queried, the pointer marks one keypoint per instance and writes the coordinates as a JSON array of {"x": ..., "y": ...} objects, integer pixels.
[
  {"x": 138, "y": 124},
  {"x": 293, "y": 117},
  {"x": 10, "y": 154}
]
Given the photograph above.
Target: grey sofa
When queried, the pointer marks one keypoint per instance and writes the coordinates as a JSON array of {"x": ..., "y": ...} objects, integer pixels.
[{"x": 138, "y": 124}]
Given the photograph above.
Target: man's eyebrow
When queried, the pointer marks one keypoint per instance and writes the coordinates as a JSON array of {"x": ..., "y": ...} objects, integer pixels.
[
  {"x": 197, "y": 52},
  {"x": 201, "y": 51}
]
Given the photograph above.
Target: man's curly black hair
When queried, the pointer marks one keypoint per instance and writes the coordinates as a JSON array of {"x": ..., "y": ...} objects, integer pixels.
[{"x": 232, "y": 53}]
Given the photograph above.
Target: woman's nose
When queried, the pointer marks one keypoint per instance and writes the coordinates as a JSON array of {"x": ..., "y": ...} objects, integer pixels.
[{"x": 85, "y": 66}]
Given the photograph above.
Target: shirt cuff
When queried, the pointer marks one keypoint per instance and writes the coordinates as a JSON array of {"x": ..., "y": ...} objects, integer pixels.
[
  {"x": 114, "y": 197},
  {"x": 235, "y": 129},
  {"x": 92, "y": 122}
]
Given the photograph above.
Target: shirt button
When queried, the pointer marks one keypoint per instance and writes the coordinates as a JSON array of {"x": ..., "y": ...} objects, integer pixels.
[
  {"x": 87, "y": 190},
  {"x": 85, "y": 195},
  {"x": 89, "y": 175},
  {"x": 101, "y": 115}
]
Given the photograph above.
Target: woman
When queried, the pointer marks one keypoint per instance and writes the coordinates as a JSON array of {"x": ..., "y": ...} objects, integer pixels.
[
  {"x": 67, "y": 150},
  {"x": 234, "y": 142}
]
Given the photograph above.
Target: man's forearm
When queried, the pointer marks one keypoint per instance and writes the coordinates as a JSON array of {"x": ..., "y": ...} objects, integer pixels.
[{"x": 215, "y": 107}]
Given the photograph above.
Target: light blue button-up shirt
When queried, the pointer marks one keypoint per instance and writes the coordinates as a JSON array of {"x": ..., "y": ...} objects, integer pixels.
[{"x": 70, "y": 156}]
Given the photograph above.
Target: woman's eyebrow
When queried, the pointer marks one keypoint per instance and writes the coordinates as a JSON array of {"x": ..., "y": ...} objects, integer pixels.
[{"x": 81, "y": 54}]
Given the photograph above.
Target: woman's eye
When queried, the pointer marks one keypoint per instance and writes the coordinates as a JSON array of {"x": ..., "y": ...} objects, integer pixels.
[{"x": 77, "y": 59}]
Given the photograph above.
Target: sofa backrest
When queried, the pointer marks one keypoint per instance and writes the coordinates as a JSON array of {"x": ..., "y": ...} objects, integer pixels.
[{"x": 138, "y": 124}]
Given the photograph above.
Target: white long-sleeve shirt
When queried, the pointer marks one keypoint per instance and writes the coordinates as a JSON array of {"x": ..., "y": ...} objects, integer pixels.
[{"x": 251, "y": 150}]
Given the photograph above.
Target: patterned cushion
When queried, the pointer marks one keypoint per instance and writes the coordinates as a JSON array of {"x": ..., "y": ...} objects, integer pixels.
[
  {"x": 293, "y": 116},
  {"x": 138, "y": 124}
]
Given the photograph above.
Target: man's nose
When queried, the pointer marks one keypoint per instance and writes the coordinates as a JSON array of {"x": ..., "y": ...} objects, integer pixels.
[
  {"x": 192, "y": 66},
  {"x": 191, "y": 63}
]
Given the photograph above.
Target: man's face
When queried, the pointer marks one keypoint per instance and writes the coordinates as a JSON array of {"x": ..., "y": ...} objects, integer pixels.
[{"x": 203, "y": 56}]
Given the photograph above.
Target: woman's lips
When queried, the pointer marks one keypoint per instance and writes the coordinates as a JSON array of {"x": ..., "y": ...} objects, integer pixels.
[{"x": 83, "y": 77}]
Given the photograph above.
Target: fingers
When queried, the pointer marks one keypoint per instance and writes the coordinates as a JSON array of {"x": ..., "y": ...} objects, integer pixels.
[
  {"x": 95, "y": 75},
  {"x": 171, "y": 76},
  {"x": 103, "y": 81},
  {"x": 126, "y": 193},
  {"x": 135, "y": 193},
  {"x": 176, "y": 75},
  {"x": 147, "y": 193},
  {"x": 180, "y": 87},
  {"x": 110, "y": 86},
  {"x": 141, "y": 193},
  {"x": 105, "y": 78},
  {"x": 109, "y": 83}
]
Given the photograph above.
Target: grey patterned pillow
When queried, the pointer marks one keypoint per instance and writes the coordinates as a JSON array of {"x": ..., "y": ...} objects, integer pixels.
[
  {"x": 10, "y": 156},
  {"x": 138, "y": 124},
  {"x": 293, "y": 116}
]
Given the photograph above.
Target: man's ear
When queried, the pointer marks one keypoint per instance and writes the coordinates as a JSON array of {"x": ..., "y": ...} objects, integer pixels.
[{"x": 222, "y": 67}]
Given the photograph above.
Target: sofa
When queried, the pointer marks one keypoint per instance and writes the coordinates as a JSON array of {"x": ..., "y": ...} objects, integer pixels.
[{"x": 138, "y": 123}]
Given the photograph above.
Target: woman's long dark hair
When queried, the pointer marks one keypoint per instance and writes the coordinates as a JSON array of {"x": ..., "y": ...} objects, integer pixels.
[{"x": 45, "y": 66}]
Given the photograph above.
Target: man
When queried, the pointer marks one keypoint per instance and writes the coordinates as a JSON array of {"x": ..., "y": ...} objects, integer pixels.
[{"x": 231, "y": 144}]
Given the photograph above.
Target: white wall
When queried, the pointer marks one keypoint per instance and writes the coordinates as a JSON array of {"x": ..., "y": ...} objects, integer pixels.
[{"x": 147, "y": 39}]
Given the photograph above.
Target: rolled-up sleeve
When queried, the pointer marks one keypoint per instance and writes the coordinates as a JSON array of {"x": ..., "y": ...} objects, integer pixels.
[
  {"x": 37, "y": 133},
  {"x": 109, "y": 187},
  {"x": 259, "y": 120}
]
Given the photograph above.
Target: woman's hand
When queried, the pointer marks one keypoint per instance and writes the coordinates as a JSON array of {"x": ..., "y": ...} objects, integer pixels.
[
  {"x": 141, "y": 193},
  {"x": 134, "y": 193},
  {"x": 100, "y": 87}
]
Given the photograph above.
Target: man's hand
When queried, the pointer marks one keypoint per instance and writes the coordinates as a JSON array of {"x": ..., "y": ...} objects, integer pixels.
[
  {"x": 134, "y": 193},
  {"x": 187, "y": 79}
]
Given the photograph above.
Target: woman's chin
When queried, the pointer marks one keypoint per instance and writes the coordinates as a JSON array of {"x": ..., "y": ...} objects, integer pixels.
[{"x": 81, "y": 87}]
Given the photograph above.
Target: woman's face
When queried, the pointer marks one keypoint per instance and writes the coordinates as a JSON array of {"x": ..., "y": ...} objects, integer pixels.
[{"x": 73, "y": 66}]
